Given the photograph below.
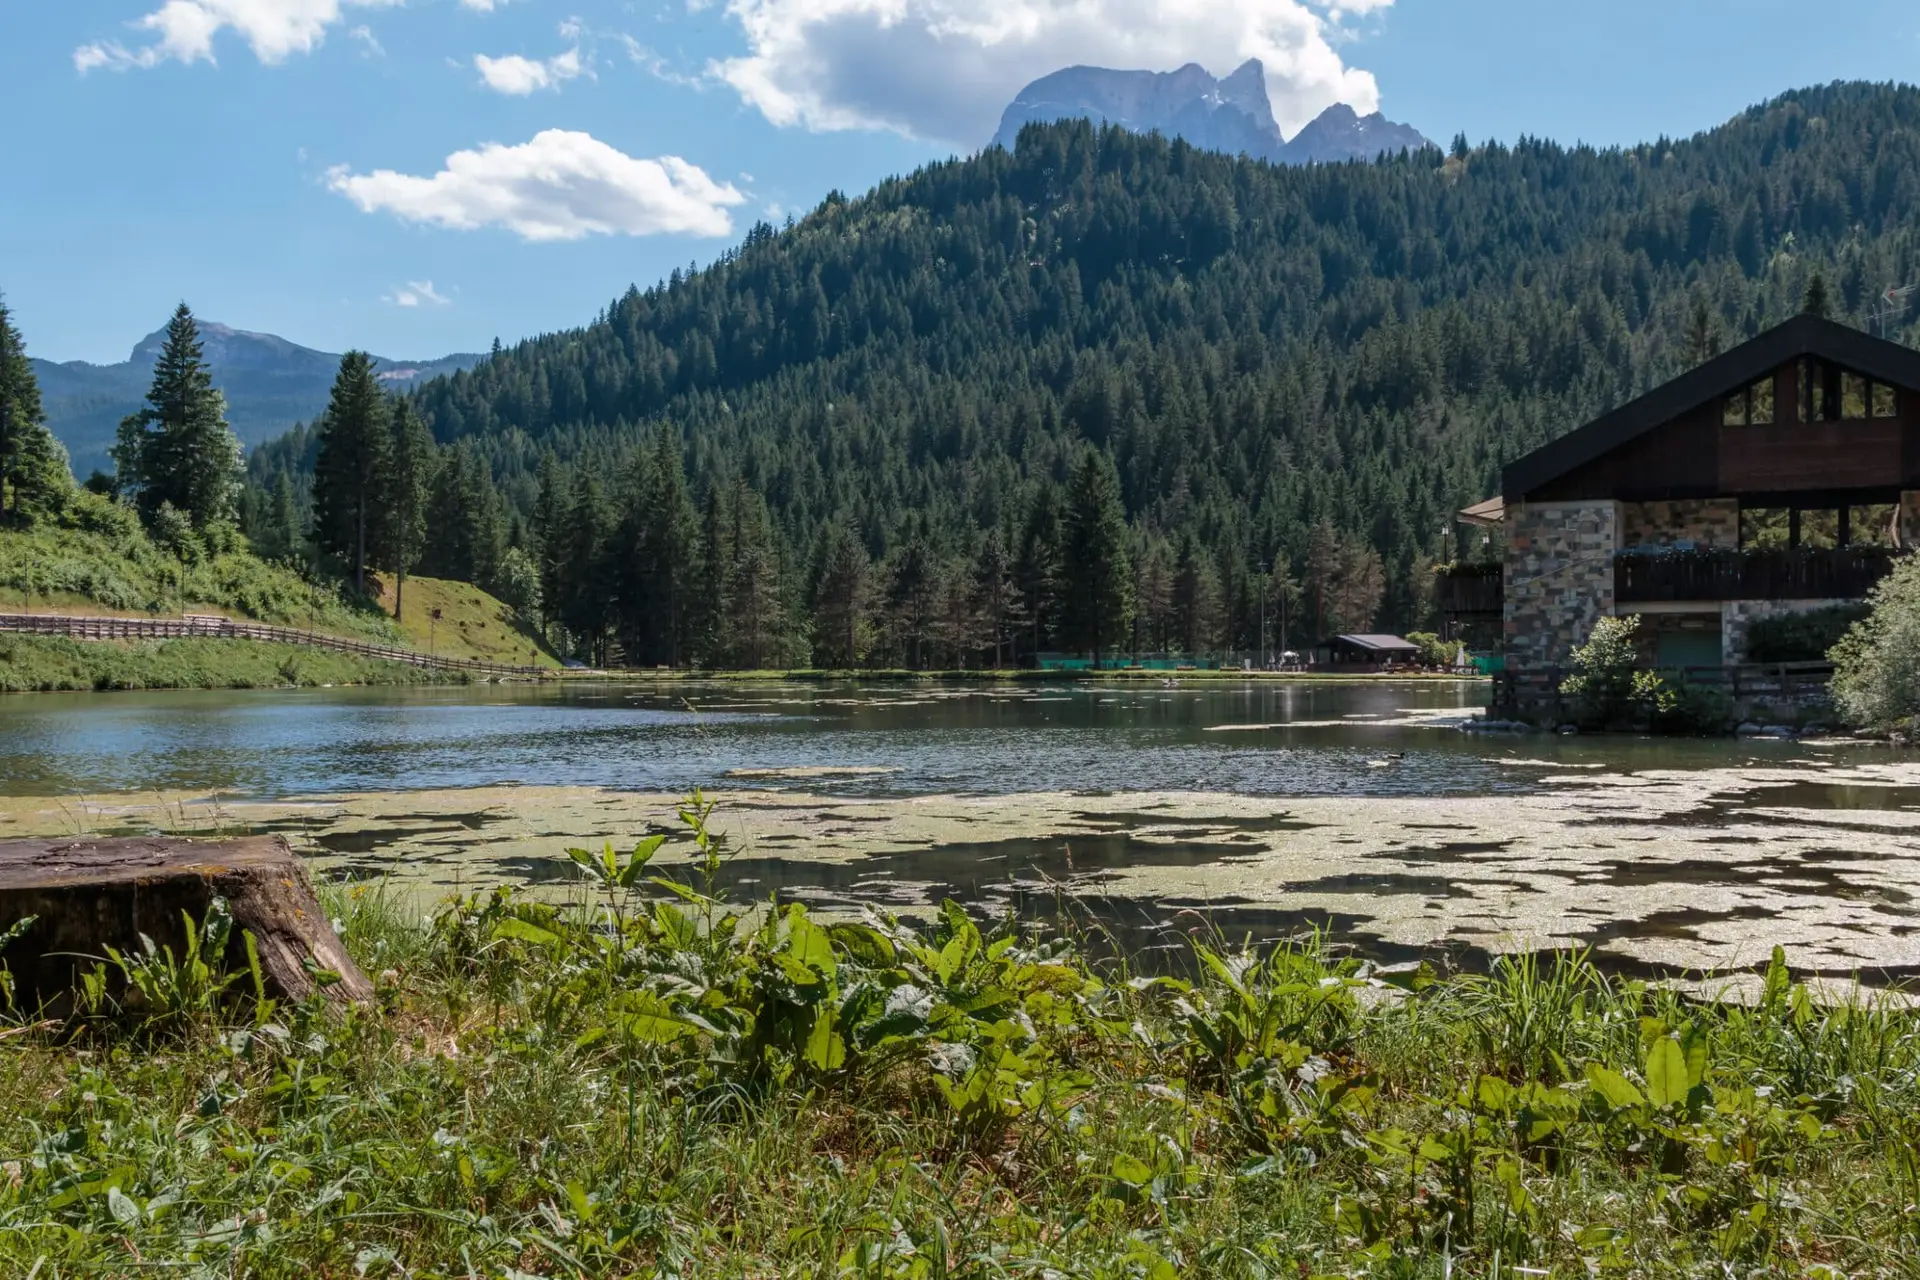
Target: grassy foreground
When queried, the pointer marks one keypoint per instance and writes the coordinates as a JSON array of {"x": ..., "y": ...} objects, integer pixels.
[
  {"x": 659, "y": 1087},
  {"x": 52, "y": 663}
]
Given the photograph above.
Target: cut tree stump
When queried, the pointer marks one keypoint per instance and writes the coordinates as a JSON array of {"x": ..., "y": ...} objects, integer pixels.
[{"x": 89, "y": 894}]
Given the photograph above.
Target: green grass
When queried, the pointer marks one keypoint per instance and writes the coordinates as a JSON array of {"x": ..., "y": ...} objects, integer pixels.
[
  {"x": 631, "y": 1087},
  {"x": 51, "y": 663},
  {"x": 472, "y": 624},
  {"x": 98, "y": 560}
]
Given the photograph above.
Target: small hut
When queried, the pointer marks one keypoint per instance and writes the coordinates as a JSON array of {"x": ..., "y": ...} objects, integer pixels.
[{"x": 1366, "y": 653}]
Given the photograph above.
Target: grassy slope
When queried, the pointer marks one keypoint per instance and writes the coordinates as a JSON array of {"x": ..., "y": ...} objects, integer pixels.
[
  {"x": 472, "y": 623},
  {"x": 48, "y": 663},
  {"x": 101, "y": 562}
]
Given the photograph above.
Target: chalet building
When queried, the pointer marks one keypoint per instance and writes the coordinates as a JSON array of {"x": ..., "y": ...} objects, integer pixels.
[{"x": 1781, "y": 476}]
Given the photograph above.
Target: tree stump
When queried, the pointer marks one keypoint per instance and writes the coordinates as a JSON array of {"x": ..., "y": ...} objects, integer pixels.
[{"x": 88, "y": 894}]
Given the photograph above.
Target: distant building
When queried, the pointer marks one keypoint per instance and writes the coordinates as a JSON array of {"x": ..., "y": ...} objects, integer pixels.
[
  {"x": 1371, "y": 652},
  {"x": 1779, "y": 477}
]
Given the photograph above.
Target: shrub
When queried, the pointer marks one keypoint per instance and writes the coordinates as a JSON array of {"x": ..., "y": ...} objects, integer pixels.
[
  {"x": 1876, "y": 680},
  {"x": 1602, "y": 684},
  {"x": 1801, "y": 637}
]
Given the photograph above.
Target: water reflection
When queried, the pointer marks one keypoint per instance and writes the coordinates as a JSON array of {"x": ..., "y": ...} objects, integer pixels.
[{"x": 1259, "y": 739}]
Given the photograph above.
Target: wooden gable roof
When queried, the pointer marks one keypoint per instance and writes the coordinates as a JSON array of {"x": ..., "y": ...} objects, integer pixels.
[{"x": 1802, "y": 336}]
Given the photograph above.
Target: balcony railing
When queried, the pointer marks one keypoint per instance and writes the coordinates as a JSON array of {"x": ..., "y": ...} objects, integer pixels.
[
  {"x": 1468, "y": 588},
  {"x": 1673, "y": 576}
]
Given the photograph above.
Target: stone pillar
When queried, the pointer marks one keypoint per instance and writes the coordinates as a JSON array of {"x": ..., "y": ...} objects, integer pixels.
[{"x": 1559, "y": 579}]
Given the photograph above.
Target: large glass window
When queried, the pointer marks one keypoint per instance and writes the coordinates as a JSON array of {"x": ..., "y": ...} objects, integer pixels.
[
  {"x": 1873, "y": 525},
  {"x": 1853, "y": 396},
  {"x": 1765, "y": 528},
  {"x": 1760, "y": 402},
  {"x": 1885, "y": 403},
  {"x": 1820, "y": 528}
]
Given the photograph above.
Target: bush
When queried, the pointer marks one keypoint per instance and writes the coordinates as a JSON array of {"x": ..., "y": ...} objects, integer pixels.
[
  {"x": 1876, "y": 680},
  {"x": 1602, "y": 684},
  {"x": 1802, "y": 637}
]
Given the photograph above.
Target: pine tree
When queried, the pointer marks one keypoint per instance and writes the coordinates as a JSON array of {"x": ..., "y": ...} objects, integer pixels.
[
  {"x": 1096, "y": 578},
  {"x": 34, "y": 476},
  {"x": 657, "y": 542},
  {"x": 710, "y": 600},
  {"x": 1703, "y": 334},
  {"x": 404, "y": 493},
  {"x": 350, "y": 470},
  {"x": 913, "y": 595},
  {"x": 756, "y": 614},
  {"x": 1196, "y": 599},
  {"x": 1038, "y": 566},
  {"x": 996, "y": 597},
  {"x": 283, "y": 520},
  {"x": 841, "y": 591},
  {"x": 585, "y": 606},
  {"x": 550, "y": 517},
  {"x": 1817, "y": 302},
  {"x": 178, "y": 451},
  {"x": 465, "y": 532}
]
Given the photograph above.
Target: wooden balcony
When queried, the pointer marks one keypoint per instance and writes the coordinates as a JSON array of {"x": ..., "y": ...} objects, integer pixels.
[
  {"x": 1676, "y": 576},
  {"x": 1468, "y": 589}
]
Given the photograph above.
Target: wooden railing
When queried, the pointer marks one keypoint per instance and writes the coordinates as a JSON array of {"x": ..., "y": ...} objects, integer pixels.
[
  {"x": 210, "y": 627},
  {"x": 1673, "y": 576},
  {"x": 1468, "y": 588}
]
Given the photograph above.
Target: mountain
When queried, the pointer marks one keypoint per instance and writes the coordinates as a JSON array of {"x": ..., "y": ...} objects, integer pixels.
[
  {"x": 270, "y": 384},
  {"x": 1231, "y": 115},
  {"x": 1310, "y": 368}
]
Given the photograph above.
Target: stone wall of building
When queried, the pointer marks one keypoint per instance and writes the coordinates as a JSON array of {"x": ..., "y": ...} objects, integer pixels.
[
  {"x": 1699, "y": 524},
  {"x": 1559, "y": 578},
  {"x": 1737, "y": 616}
]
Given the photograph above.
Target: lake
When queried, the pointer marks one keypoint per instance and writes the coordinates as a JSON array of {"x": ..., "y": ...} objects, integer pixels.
[{"x": 1255, "y": 807}]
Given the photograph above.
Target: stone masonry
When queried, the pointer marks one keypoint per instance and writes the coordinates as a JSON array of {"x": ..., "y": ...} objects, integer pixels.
[
  {"x": 1691, "y": 524},
  {"x": 1738, "y": 616},
  {"x": 1559, "y": 578}
]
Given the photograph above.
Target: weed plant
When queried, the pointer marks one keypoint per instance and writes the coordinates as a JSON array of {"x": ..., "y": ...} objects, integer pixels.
[{"x": 651, "y": 1081}]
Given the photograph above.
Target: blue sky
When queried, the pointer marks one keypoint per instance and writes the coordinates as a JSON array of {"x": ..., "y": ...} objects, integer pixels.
[{"x": 416, "y": 178}]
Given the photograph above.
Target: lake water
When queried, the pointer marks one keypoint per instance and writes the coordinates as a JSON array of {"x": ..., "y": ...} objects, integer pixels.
[
  {"x": 1256, "y": 806},
  {"x": 1300, "y": 739}
]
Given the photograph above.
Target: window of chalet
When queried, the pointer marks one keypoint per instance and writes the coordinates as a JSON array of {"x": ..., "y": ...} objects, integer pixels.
[
  {"x": 1820, "y": 529},
  {"x": 1874, "y": 525},
  {"x": 1853, "y": 396},
  {"x": 1765, "y": 528},
  {"x": 1828, "y": 394},
  {"x": 1749, "y": 406}
]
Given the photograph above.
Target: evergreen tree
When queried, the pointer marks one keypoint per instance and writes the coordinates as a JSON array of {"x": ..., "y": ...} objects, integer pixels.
[
  {"x": 996, "y": 595},
  {"x": 178, "y": 451},
  {"x": 657, "y": 547},
  {"x": 710, "y": 604},
  {"x": 841, "y": 591},
  {"x": 283, "y": 520},
  {"x": 1817, "y": 302},
  {"x": 1196, "y": 600},
  {"x": 913, "y": 600},
  {"x": 551, "y": 515},
  {"x": 405, "y": 491},
  {"x": 1703, "y": 334},
  {"x": 465, "y": 533},
  {"x": 755, "y": 610},
  {"x": 1096, "y": 579},
  {"x": 1038, "y": 566},
  {"x": 586, "y": 606},
  {"x": 350, "y": 470},
  {"x": 34, "y": 477}
]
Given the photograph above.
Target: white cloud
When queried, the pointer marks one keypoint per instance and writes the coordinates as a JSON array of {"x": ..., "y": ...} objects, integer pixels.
[
  {"x": 483, "y": 6},
  {"x": 561, "y": 185},
  {"x": 946, "y": 69},
  {"x": 520, "y": 76},
  {"x": 419, "y": 293},
  {"x": 183, "y": 30},
  {"x": 364, "y": 34}
]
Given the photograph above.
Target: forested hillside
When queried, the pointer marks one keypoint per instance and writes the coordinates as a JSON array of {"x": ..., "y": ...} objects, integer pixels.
[{"x": 1077, "y": 395}]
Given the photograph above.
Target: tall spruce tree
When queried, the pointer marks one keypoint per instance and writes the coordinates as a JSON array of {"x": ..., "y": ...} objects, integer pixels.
[
  {"x": 755, "y": 606},
  {"x": 350, "y": 470},
  {"x": 842, "y": 589},
  {"x": 660, "y": 546},
  {"x": 587, "y": 605},
  {"x": 178, "y": 451},
  {"x": 405, "y": 489},
  {"x": 465, "y": 533},
  {"x": 34, "y": 476},
  {"x": 1037, "y": 568},
  {"x": 996, "y": 596},
  {"x": 550, "y": 516},
  {"x": 1096, "y": 578}
]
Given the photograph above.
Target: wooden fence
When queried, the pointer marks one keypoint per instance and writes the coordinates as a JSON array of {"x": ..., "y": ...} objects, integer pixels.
[{"x": 212, "y": 627}]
